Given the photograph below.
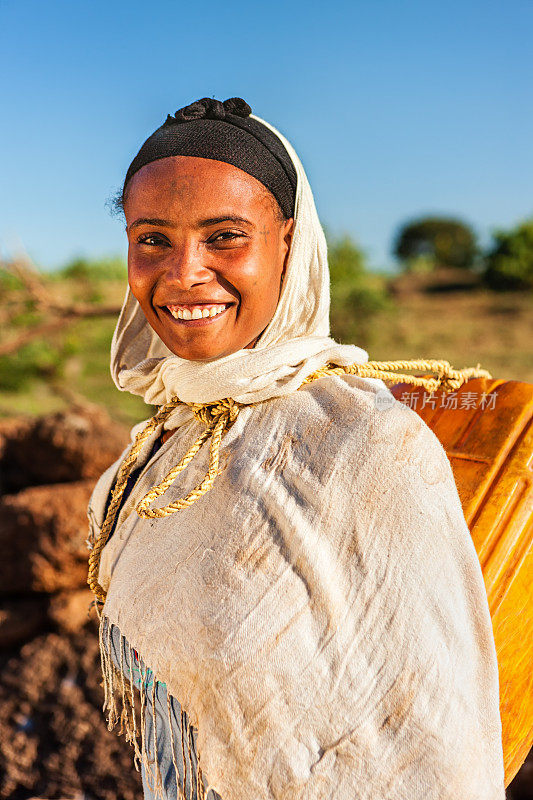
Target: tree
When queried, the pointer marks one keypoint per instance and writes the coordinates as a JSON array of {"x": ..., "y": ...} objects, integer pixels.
[
  {"x": 24, "y": 289},
  {"x": 423, "y": 244},
  {"x": 509, "y": 263}
]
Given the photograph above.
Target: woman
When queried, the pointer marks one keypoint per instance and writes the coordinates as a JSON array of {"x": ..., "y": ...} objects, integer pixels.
[{"x": 288, "y": 577}]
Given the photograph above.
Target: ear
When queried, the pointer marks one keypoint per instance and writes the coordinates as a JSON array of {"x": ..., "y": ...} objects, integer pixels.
[{"x": 286, "y": 235}]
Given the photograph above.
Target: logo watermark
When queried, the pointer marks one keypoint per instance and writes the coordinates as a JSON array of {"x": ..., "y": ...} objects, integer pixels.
[{"x": 384, "y": 399}]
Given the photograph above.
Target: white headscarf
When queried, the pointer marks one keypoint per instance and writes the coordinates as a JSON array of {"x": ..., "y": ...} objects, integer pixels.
[{"x": 294, "y": 344}]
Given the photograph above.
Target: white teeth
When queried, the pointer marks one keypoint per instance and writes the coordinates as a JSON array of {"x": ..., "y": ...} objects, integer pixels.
[{"x": 196, "y": 313}]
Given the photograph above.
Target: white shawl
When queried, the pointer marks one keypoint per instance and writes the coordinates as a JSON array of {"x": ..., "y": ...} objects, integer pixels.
[{"x": 320, "y": 613}]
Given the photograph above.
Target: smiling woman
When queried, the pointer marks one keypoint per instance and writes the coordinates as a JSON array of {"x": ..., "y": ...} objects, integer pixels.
[
  {"x": 208, "y": 275},
  {"x": 305, "y": 618}
]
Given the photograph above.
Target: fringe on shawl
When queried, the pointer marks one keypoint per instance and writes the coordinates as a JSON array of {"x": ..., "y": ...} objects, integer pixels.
[{"x": 122, "y": 708}]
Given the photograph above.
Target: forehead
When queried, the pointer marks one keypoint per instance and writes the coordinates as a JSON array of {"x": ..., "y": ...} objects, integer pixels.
[{"x": 189, "y": 181}]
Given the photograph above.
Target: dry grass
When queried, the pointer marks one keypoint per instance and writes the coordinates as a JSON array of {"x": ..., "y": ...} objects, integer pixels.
[{"x": 463, "y": 327}]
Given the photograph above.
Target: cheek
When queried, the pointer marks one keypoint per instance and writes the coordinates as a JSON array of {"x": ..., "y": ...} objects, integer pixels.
[
  {"x": 257, "y": 269},
  {"x": 139, "y": 279}
]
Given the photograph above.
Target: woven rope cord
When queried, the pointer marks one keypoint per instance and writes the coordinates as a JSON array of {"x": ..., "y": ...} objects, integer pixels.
[
  {"x": 218, "y": 418},
  {"x": 118, "y": 491}
]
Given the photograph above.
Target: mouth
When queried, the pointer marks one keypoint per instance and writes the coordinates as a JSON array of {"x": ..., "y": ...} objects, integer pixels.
[{"x": 198, "y": 315}]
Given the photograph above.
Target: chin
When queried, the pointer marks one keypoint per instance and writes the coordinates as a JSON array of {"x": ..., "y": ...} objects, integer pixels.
[{"x": 200, "y": 353}]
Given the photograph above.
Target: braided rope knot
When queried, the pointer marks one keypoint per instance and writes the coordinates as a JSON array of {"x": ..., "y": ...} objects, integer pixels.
[
  {"x": 211, "y": 412},
  {"x": 219, "y": 416}
]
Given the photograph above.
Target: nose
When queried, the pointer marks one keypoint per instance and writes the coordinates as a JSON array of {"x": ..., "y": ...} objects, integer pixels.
[{"x": 185, "y": 269}]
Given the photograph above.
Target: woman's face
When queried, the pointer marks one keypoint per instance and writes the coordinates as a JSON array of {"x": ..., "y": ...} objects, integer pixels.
[{"x": 204, "y": 239}]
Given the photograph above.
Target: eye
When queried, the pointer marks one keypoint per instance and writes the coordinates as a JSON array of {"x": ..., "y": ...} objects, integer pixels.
[
  {"x": 225, "y": 236},
  {"x": 152, "y": 239}
]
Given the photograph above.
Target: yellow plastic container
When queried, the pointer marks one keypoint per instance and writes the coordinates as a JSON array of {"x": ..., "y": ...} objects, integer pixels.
[{"x": 486, "y": 428}]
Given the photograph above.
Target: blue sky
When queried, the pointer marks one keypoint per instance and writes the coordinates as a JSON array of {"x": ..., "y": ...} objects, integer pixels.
[{"x": 396, "y": 107}]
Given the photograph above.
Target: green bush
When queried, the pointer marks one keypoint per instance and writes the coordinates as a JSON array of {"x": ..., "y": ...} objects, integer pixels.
[
  {"x": 357, "y": 295},
  {"x": 346, "y": 262},
  {"x": 9, "y": 282},
  {"x": 103, "y": 269},
  {"x": 509, "y": 263},
  {"x": 37, "y": 360}
]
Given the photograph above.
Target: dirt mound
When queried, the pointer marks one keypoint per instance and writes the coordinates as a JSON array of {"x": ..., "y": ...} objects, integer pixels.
[
  {"x": 21, "y": 619},
  {"x": 54, "y": 742},
  {"x": 58, "y": 448},
  {"x": 42, "y": 538}
]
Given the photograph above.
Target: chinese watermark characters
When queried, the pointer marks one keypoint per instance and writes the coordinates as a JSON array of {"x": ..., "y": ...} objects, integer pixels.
[{"x": 384, "y": 400}]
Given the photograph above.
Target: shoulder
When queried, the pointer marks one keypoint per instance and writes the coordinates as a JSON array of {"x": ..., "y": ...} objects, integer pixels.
[
  {"x": 343, "y": 425},
  {"x": 363, "y": 412}
]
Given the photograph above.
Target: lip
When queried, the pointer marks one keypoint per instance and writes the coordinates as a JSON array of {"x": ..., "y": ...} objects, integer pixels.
[
  {"x": 199, "y": 303},
  {"x": 195, "y": 323}
]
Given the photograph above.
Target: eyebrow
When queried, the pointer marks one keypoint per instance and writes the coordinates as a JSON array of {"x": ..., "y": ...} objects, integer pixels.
[{"x": 203, "y": 223}]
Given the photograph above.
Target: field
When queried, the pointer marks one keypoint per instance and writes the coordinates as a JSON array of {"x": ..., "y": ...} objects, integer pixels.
[
  {"x": 417, "y": 317},
  {"x": 464, "y": 327}
]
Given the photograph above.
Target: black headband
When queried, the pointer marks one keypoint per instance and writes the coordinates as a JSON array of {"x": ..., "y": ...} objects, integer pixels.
[{"x": 224, "y": 131}]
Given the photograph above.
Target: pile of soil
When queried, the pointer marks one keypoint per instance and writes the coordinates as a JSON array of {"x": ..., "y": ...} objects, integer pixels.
[{"x": 54, "y": 743}]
